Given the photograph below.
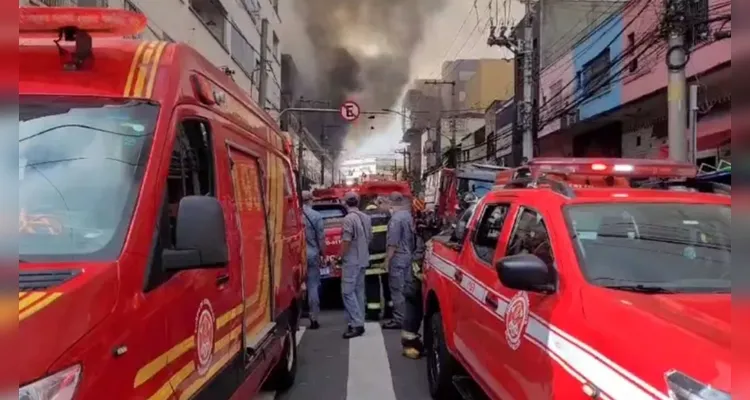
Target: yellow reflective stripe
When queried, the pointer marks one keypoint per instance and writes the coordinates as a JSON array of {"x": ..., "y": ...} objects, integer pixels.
[
  {"x": 375, "y": 257},
  {"x": 373, "y": 306},
  {"x": 380, "y": 229},
  {"x": 375, "y": 271},
  {"x": 152, "y": 368}
]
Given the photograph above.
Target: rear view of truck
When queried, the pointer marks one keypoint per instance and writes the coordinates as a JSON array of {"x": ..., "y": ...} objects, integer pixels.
[{"x": 333, "y": 217}]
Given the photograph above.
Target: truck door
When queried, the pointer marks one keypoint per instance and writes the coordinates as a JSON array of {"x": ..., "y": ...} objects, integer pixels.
[
  {"x": 201, "y": 325},
  {"x": 248, "y": 190},
  {"x": 477, "y": 320},
  {"x": 523, "y": 349}
]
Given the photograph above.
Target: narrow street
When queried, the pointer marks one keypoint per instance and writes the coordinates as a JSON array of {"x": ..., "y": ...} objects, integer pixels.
[{"x": 366, "y": 368}]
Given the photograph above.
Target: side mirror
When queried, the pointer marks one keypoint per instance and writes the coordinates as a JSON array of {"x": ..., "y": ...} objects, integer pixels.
[
  {"x": 460, "y": 231},
  {"x": 526, "y": 272},
  {"x": 200, "y": 236}
]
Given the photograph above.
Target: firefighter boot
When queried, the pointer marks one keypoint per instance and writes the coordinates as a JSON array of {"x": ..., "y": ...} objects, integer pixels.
[{"x": 412, "y": 345}]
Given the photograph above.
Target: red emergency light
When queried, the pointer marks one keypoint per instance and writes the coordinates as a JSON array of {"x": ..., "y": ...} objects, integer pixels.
[
  {"x": 615, "y": 167},
  {"x": 46, "y": 22}
]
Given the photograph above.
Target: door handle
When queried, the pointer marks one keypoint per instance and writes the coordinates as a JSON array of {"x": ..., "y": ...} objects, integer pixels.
[{"x": 222, "y": 279}]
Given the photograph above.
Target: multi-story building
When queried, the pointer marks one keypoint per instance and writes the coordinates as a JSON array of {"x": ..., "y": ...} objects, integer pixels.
[
  {"x": 231, "y": 34},
  {"x": 608, "y": 94},
  {"x": 493, "y": 80},
  {"x": 355, "y": 170}
]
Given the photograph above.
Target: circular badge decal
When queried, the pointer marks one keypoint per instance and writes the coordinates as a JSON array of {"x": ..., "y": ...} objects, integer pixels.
[
  {"x": 516, "y": 319},
  {"x": 205, "y": 324}
]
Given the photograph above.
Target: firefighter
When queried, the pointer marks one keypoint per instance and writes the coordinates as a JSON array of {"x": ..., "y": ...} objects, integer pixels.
[
  {"x": 411, "y": 341},
  {"x": 355, "y": 256},
  {"x": 315, "y": 239},
  {"x": 400, "y": 242}
]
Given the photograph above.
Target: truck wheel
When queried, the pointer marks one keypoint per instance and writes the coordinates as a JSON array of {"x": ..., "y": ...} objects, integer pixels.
[
  {"x": 441, "y": 366},
  {"x": 283, "y": 375}
]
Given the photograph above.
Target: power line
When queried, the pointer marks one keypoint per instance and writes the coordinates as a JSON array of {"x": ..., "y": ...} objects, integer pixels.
[{"x": 614, "y": 39}]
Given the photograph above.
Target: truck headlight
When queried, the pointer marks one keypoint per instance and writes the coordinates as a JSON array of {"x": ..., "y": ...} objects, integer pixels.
[
  {"x": 59, "y": 386},
  {"x": 683, "y": 387}
]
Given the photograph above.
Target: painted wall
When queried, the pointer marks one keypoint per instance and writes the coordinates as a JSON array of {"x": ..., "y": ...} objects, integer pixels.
[
  {"x": 562, "y": 72},
  {"x": 651, "y": 74},
  {"x": 492, "y": 81},
  {"x": 606, "y": 35}
]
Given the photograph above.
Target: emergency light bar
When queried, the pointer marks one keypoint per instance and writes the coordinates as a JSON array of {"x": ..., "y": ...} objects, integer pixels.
[
  {"x": 53, "y": 22},
  {"x": 615, "y": 167}
]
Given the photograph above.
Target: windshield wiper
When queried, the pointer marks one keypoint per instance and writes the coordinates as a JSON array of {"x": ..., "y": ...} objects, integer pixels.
[{"x": 642, "y": 289}]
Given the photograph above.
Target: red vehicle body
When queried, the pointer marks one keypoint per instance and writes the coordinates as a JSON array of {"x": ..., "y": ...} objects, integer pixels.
[
  {"x": 446, "y": 187},
  {"x": 527, "y": 300},
  {"x": 329, "y": 202},
  {"x": 115, "y": 302}
]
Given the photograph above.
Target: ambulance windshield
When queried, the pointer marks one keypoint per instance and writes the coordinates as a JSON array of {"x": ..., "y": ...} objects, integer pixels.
[
  {"x": 652, "y": 247},
  {"x": 81, "y": 162}
]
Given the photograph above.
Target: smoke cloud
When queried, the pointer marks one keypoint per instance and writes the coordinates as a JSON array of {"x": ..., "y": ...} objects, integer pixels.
[{"x": 355, "y": 49}]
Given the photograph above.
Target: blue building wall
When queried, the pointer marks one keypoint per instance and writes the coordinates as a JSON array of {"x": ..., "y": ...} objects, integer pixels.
[{"x": 608, "y": 34}]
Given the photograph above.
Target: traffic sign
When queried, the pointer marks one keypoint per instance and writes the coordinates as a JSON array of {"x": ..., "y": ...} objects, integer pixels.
[{"x": 349, "y": 111}]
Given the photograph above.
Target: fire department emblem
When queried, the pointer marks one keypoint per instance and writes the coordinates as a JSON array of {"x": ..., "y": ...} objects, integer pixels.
[
  {"x": 205, "y": 324},
  {"x": 516, "y": 319}
]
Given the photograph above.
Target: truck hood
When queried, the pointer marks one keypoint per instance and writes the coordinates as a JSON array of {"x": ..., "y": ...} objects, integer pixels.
[
  {"x": 652, "y": 334},
  {"x": 58, "y": 305}
]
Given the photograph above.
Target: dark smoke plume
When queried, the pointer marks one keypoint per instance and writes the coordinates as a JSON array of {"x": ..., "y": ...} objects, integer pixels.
[{"x": 355, "y": 49}]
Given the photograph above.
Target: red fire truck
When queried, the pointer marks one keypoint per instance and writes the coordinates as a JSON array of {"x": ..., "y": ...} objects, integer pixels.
[
  {"x": 161, "y": 254},
  {"x": 586, "y": 279},
  {"x": 446, "y": 187}
]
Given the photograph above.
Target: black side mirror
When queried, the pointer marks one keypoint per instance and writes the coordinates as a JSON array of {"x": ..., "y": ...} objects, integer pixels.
[
  {"x": 200, "y": 236},
  {"x": 459, "y": 231},
  {"x": 526, "y": 272}
]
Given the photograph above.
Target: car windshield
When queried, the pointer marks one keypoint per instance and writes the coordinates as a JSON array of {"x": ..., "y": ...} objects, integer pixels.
[
  {"x": 477, "y": 187},
  {"x": 333, "y": 214},
  {"x": 646, "y": 246},
  {"x": 81, "y": 162}
]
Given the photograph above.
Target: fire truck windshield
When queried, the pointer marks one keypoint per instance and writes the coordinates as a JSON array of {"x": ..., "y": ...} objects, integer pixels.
[
  {"x": 650, "y": 246},
  {"x": 478, "y": 187},
  {"x": 81, "y": 162}
]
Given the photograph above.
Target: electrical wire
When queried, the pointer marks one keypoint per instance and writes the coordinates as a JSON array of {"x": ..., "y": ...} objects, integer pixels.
[{"x": 612, "y": 41}]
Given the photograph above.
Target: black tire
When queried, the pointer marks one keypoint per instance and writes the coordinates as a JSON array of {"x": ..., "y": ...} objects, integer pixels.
[
  {"x": 283, "y": 374},
  {"x": 441, "y": 366}
]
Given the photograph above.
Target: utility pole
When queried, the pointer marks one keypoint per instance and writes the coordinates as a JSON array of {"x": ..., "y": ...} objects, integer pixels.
[
  {"x": 452, "y": 157},
  {"x": 675, "y": 19},
  {"x": 693, "y": 124},
  {"x": 523, "y": 49},
  {"x": 263, "y": 74}
]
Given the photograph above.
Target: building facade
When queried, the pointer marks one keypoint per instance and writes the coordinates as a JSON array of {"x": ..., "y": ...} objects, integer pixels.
[
  {"x": 229, "y": 33},
  {"x": 492, "y": 81},
  {"x": 356, "y": 170},
  {"x": 607, "y": 96}
]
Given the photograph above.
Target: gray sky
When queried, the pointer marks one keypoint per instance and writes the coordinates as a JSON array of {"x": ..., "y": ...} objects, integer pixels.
[{"x": 442, "y": 32}]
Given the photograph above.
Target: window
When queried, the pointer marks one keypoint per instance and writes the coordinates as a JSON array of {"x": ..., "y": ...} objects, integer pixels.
[
  {"x": 81, "y": 164},
  {"x": 633, "y": 64},
  {"x": 93, "y": 3},
  {"x": 191, "y": 167},
  {"x": 242, "y": 51},
  {"x": 595, "y": 75},
  {"x": 488, "y": 231},
  {"x": 213, "y": 15},
  {"x": 275, "y": 49},
  {"x": 680, "y": 247},
  {"x": 556, "y": 97},
  {"x": 530, "y": 236},
  {"x": 491, "y": 145}
]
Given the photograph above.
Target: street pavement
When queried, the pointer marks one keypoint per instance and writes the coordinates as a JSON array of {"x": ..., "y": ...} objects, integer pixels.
[{"x": 370, "y": 367}]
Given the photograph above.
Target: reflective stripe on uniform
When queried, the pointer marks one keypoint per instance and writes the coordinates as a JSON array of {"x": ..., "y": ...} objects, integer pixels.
[
  {"x": 375, "y": 271},
  {"x": 380, "y": 229},
  {"x": 373, "y": 306}
]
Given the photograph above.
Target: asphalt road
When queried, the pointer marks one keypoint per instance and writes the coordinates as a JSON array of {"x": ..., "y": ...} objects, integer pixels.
[{"x": 370, "y": 367}]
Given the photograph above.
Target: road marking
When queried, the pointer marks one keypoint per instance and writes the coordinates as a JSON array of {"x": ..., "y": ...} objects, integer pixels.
[
  {"x": 272, "y": 395},
  {"x": 369, "y": 369}
]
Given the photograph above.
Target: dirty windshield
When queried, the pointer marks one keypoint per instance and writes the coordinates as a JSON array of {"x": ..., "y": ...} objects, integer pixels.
[
  {"x": 680, "y": 247},
  {"x": 80, "y": 166}
]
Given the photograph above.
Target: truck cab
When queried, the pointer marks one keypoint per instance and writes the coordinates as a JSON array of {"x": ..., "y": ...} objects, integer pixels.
[
  {"x": 161, "y": 249},
  {"x": 553, "y": 288}
]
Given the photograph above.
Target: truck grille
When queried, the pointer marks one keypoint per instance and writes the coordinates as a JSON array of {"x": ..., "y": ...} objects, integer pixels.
[{"x": 41, "y": 280}]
